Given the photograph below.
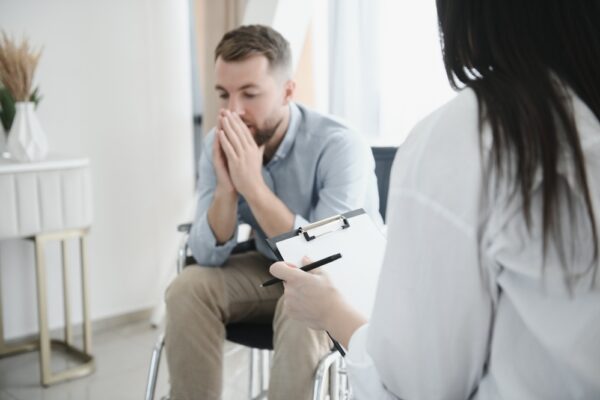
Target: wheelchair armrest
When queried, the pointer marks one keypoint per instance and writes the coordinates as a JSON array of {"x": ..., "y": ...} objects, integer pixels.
[
  {"x": 244, "y": 247},
  {"x": 184, "y": 228},
  {"x": 185, "y": 258},
  {"x": 240, "y": 248}
]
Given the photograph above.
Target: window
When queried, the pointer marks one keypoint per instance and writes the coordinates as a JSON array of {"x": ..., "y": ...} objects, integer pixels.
[
  {"x": 379, "y": 65},
  {"x": 412, "y": 76}
]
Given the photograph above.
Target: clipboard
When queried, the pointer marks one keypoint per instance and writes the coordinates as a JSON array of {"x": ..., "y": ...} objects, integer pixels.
[{"x": 356, "y": 237}]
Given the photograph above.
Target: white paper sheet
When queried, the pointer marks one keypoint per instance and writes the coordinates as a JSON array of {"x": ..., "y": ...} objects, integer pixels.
[{"x": 362, "y": 247}]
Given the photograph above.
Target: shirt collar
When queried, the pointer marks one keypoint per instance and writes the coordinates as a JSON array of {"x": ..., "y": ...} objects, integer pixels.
[{"x": 290, "y": 134}]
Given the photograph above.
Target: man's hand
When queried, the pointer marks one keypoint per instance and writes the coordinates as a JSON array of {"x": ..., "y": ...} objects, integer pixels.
[
  {"x": 220, "y": 163},
  {"x": 243, "y": 159},
  {"x": 222, "y": 213},
  {"x": 244, "y": 156},
  {"x": 306, "y": 293}
]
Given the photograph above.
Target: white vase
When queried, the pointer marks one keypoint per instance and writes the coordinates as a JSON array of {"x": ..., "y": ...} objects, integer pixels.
[
  {"x": 26, "y": 140},
  {"x": 2, "y": 141}
]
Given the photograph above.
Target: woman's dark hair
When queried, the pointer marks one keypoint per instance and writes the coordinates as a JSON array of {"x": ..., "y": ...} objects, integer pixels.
[{"x": 521, "y": 58}]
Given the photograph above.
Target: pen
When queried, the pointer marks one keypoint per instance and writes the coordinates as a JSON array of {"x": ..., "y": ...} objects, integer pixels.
[{"x": 308, "y": 267}]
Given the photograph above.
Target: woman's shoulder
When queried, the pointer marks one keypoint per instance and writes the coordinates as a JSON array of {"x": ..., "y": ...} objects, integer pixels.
[
  {"x": 440, "y": 164},
  {"x": 452, "y": 118},
  {"x": 450, "y": 132}
]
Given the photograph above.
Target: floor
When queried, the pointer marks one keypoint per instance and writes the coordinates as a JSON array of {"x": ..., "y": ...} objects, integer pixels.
[{"x": 122, "y": 360}]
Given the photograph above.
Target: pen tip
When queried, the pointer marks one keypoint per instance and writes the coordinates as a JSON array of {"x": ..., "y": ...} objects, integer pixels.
[{"x": 261, "y": 285}]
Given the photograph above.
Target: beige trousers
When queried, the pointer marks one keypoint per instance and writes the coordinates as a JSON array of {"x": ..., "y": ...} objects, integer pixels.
[{"x": 201, "y": 300}]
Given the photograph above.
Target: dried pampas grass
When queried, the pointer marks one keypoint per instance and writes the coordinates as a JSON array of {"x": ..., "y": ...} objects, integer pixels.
[{"x": 17, "y": 65}]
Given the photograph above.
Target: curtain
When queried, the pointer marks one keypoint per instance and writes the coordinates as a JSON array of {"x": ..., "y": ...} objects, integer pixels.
[
  {"x": 217, "y": 17},
  {"x": 354, "y": 87}
]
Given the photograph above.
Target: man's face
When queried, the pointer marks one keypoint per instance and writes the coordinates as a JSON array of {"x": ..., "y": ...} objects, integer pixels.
[{"x": 252, "y": 90}]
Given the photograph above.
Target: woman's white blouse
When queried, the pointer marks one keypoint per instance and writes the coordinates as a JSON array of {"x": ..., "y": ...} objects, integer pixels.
[{"x": 466, "y": 306}]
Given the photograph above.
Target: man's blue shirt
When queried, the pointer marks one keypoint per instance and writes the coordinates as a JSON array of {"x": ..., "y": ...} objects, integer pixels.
[{"x": 320, "y": 169}]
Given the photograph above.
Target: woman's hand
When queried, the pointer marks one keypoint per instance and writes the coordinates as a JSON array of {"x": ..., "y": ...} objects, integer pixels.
[{"x": 310, "y": 297}]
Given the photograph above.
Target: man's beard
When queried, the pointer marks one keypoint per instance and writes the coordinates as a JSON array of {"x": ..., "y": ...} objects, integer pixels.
[{"x": 262, "y": 136}]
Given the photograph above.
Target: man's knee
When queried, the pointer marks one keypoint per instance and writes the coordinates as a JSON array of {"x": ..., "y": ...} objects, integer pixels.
[
  {"x": 290, "y": 330},
  {"x": 194, "y": 285}
]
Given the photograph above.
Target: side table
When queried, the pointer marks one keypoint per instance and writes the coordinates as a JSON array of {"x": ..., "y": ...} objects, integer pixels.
[{"x": 42, "y": 202}]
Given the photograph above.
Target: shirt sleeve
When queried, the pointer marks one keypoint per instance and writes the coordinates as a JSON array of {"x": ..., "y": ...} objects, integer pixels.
[
  {"x": 202, "y": 241},
  {"x": 429, "y": 333},
  {"x": 345, "y": 174}
]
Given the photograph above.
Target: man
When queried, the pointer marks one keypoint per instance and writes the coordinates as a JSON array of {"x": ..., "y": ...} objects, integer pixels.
[{"x": 275, "y": 165}]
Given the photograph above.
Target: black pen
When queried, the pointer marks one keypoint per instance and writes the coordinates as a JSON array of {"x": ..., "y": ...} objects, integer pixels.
[{"x": 308, "y": 267}]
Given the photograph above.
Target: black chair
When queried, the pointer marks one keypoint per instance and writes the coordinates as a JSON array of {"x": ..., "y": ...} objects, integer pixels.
[
  {"x": 259, "y": 337},
  {"x": 384, "y": 157}
]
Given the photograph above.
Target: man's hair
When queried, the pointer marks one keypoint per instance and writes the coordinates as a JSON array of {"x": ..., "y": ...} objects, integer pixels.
[{"x": 250, "y": 40}]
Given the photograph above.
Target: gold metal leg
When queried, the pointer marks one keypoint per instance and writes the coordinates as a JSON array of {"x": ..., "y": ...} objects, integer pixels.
[
  {"x": 67, "y": 300},
  {"x": 87, "y": 325},
  {"x": 45, "y": 344},
  {"x": 40, "y": 265}
]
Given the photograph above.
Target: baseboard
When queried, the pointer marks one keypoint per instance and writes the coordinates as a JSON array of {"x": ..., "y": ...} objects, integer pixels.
[
  {"x": 116, "y": 321},
  {"x": 98, "y": 326}
]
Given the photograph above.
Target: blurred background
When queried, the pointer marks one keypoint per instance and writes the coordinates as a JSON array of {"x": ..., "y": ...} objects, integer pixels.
[{"x": 129, "y": 85}]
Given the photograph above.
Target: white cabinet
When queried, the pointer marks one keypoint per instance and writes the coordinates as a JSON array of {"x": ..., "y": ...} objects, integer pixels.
[{"x": 42, "y": 202}]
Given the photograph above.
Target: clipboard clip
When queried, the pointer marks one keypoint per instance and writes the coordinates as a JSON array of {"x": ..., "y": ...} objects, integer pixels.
[{"x": 304, "y": 230}]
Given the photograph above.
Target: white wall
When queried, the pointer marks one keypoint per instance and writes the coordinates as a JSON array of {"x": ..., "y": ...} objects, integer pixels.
[
  {"x": 289, "y": 17},
  {"x": 115, "y": 76}
]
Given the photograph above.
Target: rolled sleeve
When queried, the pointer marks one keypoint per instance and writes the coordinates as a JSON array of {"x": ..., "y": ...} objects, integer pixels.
[{"x": 204, "y": 246}]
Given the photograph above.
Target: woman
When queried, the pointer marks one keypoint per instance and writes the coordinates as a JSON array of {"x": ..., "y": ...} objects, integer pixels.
[{"x": 490, "y": 286}]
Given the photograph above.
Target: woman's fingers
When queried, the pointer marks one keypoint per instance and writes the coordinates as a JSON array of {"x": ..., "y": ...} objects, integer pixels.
[
  {"x": 306, "y": 260},
  {"x": 284, "y": 271}
]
